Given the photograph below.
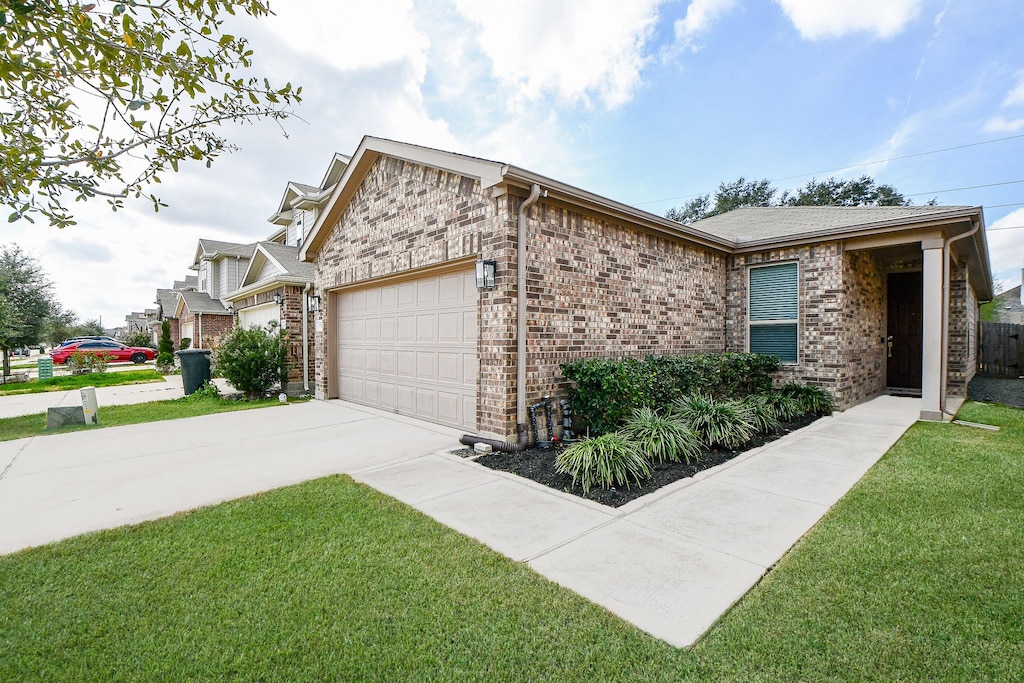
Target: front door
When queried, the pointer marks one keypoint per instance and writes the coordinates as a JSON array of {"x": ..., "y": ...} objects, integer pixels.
[{"x": 903, "y": 340}]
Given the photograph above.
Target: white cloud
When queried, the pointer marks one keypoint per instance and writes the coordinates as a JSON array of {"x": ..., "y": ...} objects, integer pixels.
[
  {"x": 1001, "y": 124},
  {"x": 1006, "y": 247},
  {"x": 817, "y": 20},
  {"x": 700, "y": 15},
  {"x": 1016, "y": 94},
  {"x": 573, "y": 50}
]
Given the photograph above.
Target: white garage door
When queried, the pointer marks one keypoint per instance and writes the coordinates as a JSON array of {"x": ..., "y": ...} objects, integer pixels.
[
  {"x": 411, "y": 348},
  {"x": 259, "y": 316},
  {"x": 186, "y": 331}
]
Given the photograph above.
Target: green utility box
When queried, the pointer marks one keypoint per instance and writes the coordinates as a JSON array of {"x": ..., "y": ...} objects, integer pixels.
[{"x": 45, "y": 368}]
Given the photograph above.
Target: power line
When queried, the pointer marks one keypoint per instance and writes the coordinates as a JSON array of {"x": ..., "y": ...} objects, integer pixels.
[
  {"x": 1007, "y": 227},
  {"x": 1000, "y": 206},
  {"x": 971, "y": 187},
  {"x": 858, "y": 165}
]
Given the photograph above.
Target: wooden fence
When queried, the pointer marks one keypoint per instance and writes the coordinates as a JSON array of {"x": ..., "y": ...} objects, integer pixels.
[{"x": 1001, "y": 352}]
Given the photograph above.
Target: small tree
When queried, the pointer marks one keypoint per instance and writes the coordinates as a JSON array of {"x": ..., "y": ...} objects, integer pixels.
[
  {"x": 165, "y": 357},
  {"x": 254, "y": 359}
]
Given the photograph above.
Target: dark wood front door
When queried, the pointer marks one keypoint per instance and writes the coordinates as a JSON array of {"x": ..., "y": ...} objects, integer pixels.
[{"x": 903, "y": 342}]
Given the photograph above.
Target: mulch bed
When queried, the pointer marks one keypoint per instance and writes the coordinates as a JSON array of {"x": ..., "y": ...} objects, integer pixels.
[{"x": 539, "y": 465}]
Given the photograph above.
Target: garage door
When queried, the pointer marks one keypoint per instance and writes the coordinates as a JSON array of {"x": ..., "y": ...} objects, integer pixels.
[
  {"x": 186, "y": 331},
  {"x": 411, "y": 348},
  {"x": 259, "y": 316}
]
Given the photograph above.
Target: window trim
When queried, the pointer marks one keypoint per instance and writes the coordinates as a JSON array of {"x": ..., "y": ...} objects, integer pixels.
[{"x": 767, "y": 323}]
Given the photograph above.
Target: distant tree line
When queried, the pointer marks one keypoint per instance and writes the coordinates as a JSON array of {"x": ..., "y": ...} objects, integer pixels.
[{"x": 742, "y": 193}]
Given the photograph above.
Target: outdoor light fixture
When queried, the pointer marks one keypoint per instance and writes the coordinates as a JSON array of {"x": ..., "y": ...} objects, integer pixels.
[
  {"x": 278, "y": 299},
  {"x": 314, "y": 303},
  {"x": 485, "y": 274}
]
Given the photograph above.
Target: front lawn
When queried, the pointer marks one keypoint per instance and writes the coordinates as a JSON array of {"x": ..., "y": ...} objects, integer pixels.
[
  {"x": 25, "y": 426},
  {"x": 914, "y": 575},
  {"x": 93, "y": 379}
]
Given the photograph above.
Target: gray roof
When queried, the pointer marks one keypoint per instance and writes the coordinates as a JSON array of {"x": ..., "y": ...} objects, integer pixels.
[
  {"x": 288, "y": 257},
  {"x": 210, "y": 247},
  {"x": 1008, "y": 306},
  {"x": 189, "y": 281},
  {"x": 168, "y": 300},
  {"x": 308, "y": 189},
  {"x": 755, "y": 224},
  {"x": 200, "y": 302}
]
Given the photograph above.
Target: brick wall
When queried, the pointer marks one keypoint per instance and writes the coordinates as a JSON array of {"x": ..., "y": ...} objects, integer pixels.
[
  {"x": 821, "y": 322},
  {"x": 863, "y": 327},
  {"x": 211, "y": 328},
  {"x": 597, "y": 288},
  {"x": 962, "y": 359}
]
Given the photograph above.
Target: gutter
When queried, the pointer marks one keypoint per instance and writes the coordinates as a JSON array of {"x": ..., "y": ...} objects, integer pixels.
[
  {"x": 305, "y": 337},
  {"x": 535, "y": 194}
]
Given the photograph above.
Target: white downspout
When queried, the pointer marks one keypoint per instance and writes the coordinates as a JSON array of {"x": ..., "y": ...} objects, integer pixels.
[
  {"x": 305, "y": 337},
  {"x": 944, "y": 353},
  {"x": 199, "y": 337},
  {"x": 535, "y": 194}
]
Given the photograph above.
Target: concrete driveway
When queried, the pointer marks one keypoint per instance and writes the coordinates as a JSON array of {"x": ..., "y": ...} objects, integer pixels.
[{"x": 671, "y": 562}]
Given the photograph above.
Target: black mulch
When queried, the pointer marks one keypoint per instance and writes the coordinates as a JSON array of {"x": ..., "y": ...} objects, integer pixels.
[
  {"x": 539, "y": 465},
  {"x": 997, "y": 390}
]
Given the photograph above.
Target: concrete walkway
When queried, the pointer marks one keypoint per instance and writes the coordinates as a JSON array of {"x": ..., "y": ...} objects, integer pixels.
[
  {"x": 27, "y": 404},
  {"x": 670, "y": 563}
]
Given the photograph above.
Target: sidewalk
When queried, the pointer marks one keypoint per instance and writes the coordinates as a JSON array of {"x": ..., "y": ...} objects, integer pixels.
[
  {"x": 674, "y": 561},
  {"x": 27, "y": 404}
]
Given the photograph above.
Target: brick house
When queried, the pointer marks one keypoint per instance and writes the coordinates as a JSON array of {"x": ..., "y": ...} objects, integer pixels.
[{"x": 404, "y": 326}]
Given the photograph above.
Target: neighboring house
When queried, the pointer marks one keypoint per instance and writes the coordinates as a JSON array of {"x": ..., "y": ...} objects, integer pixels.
[
  {"x": 135, "y": 322},
  {"x": 201, "y": 319},
  {"x": 277, "y": 286},
  {"x": 403, "y": 325},
  {"x": 1008, "y": 307}
]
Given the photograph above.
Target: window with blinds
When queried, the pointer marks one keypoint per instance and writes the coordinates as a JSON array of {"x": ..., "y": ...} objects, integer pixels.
[{"x": 774, "y": 310}]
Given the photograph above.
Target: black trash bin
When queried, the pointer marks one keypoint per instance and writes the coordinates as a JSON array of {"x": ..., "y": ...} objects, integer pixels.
[{"x": 195, "y": 368}]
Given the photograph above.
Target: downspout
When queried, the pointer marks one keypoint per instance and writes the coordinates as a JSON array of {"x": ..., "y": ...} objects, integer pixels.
[
  {"x": 200, "y": 326},
  {"x": 305, "y": 337},
  {"x": 944, "y": 353},
  {"x": 535, "y": 194}
]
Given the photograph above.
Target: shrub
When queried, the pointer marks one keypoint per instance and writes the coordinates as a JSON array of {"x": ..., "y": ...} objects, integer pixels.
[
  {"x": 761, "y": 413},
  {"x": 662, "y": 438},
  {"x": 783, "y": 406},
  {"x": 606, "y": 391},
  {"x": 813, "y": 400},
  {"x": 166, "y": 345},
  {"x": 140, "y": 338},
  {"x": 607, "y": 460},
  {"x": 165, "y": 361},
  {"x": 716, "y": 423},
  {"x": 206, "y": 390},
  {"x": 253, "y": 359},
  {"x": 81, "y": 363},
  {"x": 185, "y": 343}
]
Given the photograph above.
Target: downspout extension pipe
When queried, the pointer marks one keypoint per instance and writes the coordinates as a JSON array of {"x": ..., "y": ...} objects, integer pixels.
[
  {"x": 535, "y": 194},
  {"x": 305, "y": 337},
  {"x": 503, "y": 446},
  {"x": 944, "y": 354}
]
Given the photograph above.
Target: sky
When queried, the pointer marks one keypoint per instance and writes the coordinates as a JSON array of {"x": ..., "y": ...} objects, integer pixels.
[{"x": 648, "y": 102}]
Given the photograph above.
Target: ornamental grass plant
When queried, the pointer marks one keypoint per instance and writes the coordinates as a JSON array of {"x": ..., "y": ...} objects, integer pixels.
[
  {"x": 607, "y": 460},
  {"x": 717, "y": 423},
  {"x": 662, "y": 438}
]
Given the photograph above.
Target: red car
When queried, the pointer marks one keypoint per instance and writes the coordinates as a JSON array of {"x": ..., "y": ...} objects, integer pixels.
[{"x": 112, "y": 351}]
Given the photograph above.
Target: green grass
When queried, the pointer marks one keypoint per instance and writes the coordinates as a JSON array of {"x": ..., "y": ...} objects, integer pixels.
[
  {"x": 115, "y": 416},
  {"x": 915, "y": 575},
  {"x": 93, "y": 379}
]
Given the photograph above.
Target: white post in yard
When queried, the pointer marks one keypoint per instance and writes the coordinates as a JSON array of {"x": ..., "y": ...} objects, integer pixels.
[{"x": 931, "y": 318}]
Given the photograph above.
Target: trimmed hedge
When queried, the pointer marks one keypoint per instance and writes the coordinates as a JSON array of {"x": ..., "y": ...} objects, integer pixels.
[{"x": 607, "y": 391}]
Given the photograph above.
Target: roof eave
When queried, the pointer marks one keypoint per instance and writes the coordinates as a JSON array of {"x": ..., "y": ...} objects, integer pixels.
[{"x": 263, "y": 285}]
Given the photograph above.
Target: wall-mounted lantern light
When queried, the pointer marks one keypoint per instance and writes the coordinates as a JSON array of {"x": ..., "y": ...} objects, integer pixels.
[
  {"x": 485, "y": 270},
  {"x": 278, "y": 299},
  {"x": 314, "y": 303}
]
